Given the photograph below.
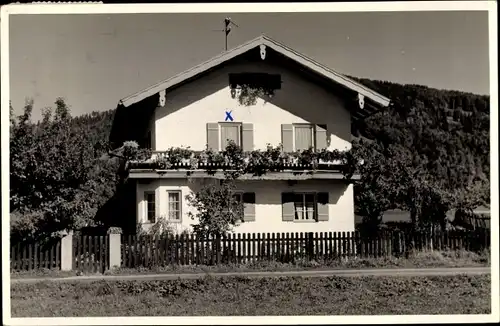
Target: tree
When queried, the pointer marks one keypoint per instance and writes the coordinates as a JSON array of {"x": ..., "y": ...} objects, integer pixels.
[
  {"x": 55, "y": 174},
  {"x": 373, "y": 193},
  {"x": 217, "y": 209}
]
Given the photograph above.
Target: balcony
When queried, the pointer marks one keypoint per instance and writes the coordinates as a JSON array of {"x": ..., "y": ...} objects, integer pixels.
[{"x": 261, "y": 165}]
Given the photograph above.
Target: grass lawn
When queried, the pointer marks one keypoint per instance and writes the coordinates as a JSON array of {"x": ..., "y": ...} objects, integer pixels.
[
  {"x": 415, "y": 260},
  {"x": 255, "y": 296}
]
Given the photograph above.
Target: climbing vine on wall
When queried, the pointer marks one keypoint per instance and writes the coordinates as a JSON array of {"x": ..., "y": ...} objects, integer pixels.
[{"x": 249, "y": 94}]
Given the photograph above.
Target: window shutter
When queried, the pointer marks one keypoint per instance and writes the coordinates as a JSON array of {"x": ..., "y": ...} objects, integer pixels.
[
  {"x": 247, "y": 135},
  {"x": 323, "y": 200},
  {"x": 321, "y": 137},
  {"x": 213, "y": 136},
  {"x": 249, "y": 210},
  {"x": 288, "y": 213},
  {"x": 287, "y": 137}
]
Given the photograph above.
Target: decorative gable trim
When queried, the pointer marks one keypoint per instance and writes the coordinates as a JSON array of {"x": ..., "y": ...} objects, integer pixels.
[{"x": 263, "y": 42}]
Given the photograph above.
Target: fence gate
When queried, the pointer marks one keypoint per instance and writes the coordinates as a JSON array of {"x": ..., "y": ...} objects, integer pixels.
[{"x": 90, "y": 253}]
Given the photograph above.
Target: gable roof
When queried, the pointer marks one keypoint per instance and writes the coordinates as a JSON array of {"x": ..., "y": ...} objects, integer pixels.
[{"x": 276, "y": 46}]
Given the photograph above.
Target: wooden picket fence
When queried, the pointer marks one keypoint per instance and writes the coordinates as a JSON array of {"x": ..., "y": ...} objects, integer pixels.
[
  {"x": 90, "y": 253},
  {"x": 187, "y": 249},
  {"x": 34, "y": 255}
]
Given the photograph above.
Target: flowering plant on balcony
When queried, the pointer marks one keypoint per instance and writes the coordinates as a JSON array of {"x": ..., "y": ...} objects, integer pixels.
[{"x": 258, "y": 162}]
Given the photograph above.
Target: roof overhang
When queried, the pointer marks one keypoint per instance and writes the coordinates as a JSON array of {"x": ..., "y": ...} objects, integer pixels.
[{"x": 363, "y": 92}]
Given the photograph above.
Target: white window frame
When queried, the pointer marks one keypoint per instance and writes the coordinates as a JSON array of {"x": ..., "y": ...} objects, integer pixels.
[
  {"x": 168, "y": 192},
  {"x": 239, "y": 193},
  {"x": 146, "y": 206},
  {"x": 240, "y": 132},
  {"x": 304, "y": 207},
  {"x": 313, "y": 133}
]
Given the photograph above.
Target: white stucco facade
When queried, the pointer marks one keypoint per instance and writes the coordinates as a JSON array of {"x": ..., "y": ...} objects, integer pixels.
[
  {"x": 182, "y": 121},
  {"x": 268, "y": 206}
]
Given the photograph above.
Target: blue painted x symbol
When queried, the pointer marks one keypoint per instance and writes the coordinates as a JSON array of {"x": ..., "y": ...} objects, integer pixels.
[{"x": 228, "y": 116}]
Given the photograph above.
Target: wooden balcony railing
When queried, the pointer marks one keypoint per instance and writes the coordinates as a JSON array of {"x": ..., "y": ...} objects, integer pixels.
[{"x": 163, "y": 161}]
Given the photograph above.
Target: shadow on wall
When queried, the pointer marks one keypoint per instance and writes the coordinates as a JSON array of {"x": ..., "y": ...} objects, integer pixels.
[
  {"x": 195, "y": 90},
  {"x": 273, "y": 189},
  {"x": 313, "y": 104}
]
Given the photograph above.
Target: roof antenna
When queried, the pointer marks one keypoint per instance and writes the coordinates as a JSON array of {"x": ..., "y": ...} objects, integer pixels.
[{"x": 227, "y": 28}]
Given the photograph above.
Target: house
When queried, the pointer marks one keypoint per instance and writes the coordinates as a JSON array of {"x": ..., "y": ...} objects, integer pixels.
[{"x": 309, "y": 105}]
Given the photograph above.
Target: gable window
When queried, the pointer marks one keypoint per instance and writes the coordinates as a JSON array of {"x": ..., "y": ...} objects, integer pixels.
[
  {"x": 229, "y": 132},
  {"x": 303, "y": 136},
  {"x": 220, "y": 133},
  {"x": 305, "y": 206},
  {"x": 174, "y": 205},
  {"x": 255, "y": 79},
  {"x": 149, "y": 198}
]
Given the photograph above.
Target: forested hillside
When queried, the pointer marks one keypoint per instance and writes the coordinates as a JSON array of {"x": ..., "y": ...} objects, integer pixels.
[
  {"x": 426, "y": 154},
  {"x": 430, "y": 153}
]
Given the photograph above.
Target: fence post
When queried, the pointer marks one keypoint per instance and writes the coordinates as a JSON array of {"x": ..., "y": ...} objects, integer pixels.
[
  {"x": 67, "y": 252},
  {"x": 115, "y": 243}
]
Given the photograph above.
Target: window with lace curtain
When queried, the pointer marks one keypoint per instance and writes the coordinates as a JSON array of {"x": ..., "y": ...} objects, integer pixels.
[
  {"x": 304, "y": 136},
  {"x": 305, "y": 206},
  {"x": 174, "y": 205}
]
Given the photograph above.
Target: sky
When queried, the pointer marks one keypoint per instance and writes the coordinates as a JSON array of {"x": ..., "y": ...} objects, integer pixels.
[{"x": 93, "y": 61}]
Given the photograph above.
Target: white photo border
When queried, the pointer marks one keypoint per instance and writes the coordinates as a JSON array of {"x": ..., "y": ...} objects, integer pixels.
[{"x": 89, "y": 8}]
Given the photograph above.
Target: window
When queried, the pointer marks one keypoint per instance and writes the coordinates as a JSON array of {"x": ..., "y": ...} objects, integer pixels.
[
  {"x": 238, "y": 196},
  {"x": 229, "y": 131},
  {"x": 248, "y": 200},
  {"x": 305, "y": 206},
  {"x": 304, "y": 136},
  {"x": 255, "y": 79},
  {"x": 220, "y": 133},
  {"x": 149, "y": 198},
  {"x": 174, "y": 205}
]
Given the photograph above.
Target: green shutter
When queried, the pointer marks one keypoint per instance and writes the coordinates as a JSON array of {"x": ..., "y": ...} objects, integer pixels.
[
  {"x": 249, "y": 210},
  {"x": 287, "y": 137},
  {"x": 322, "y": 200},
  {"x": 247, "y": 135},
  {"x": 288, "y": 213},
  {"x": 321, "y": 142},
  {"x": 213, "y": 136}
]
